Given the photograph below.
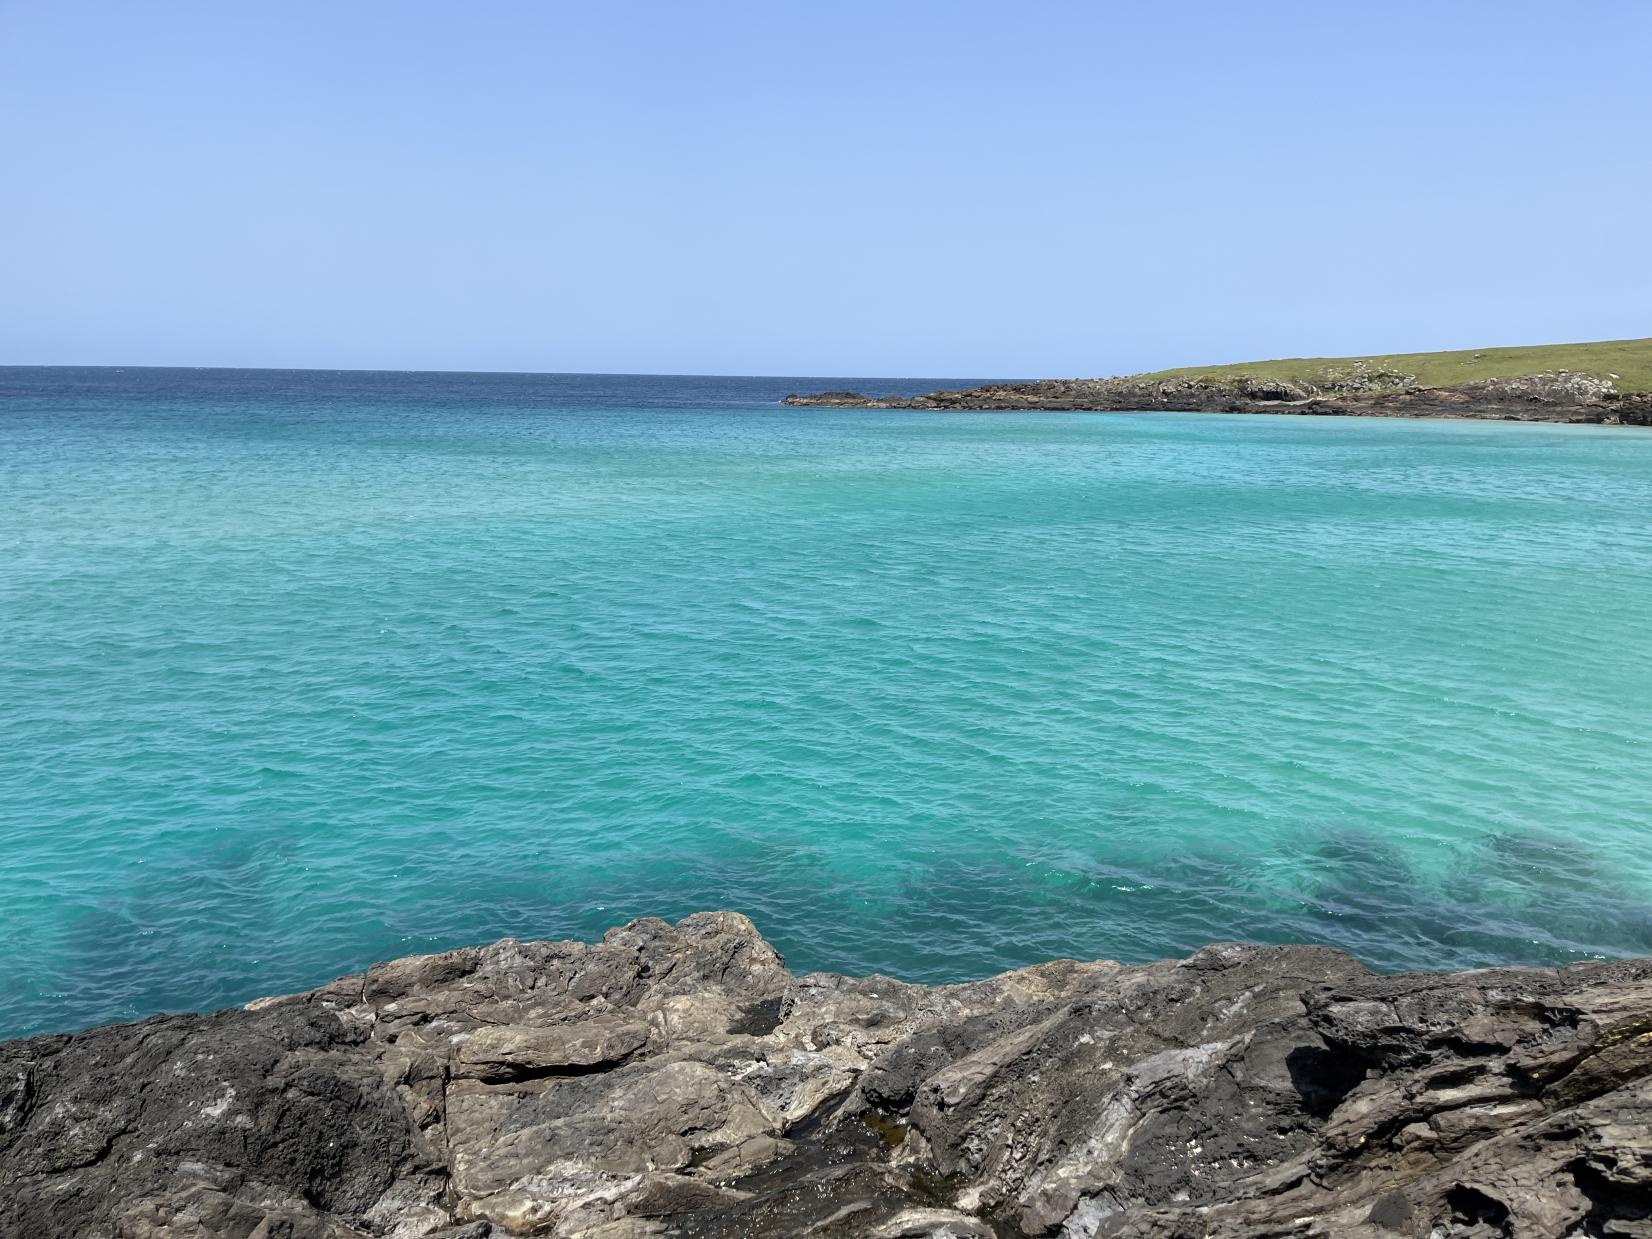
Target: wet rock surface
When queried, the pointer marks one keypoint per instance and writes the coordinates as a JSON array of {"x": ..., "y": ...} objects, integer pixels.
[
  {"x": 678, "y": 1081},
  {"x": 1557, "y": 397}
]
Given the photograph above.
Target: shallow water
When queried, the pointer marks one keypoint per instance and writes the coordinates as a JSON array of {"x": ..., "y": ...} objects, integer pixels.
[{"x": 304, "y": 670}]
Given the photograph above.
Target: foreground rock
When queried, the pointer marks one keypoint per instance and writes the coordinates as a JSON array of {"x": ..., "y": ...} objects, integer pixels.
[
  {"x": 678, "y": 1081},
  {"x": 1559, "y": 397}
]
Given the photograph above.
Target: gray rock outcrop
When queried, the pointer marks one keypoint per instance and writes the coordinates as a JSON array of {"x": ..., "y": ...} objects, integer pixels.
[
  {"x": 1551, "y": 397},
  {"x": 679, "y": 1081}
]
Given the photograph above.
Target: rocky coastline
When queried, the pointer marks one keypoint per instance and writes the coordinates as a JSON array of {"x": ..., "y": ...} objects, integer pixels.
[
  {"x": 680, "y": 1081},
  {"x": 1555, "y": 397}
]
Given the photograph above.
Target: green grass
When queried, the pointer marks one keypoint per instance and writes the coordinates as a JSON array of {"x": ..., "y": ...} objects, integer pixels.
[{"x": 1629, "y": 360}]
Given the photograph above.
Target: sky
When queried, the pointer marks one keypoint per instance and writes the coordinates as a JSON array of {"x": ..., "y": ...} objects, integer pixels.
[{"x": 900, "y": 187}]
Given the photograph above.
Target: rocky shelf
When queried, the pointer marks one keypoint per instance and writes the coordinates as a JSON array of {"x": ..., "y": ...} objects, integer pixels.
[
  {"x": 679, "y": 1081},
  {"x": 1558, "y": 397}
]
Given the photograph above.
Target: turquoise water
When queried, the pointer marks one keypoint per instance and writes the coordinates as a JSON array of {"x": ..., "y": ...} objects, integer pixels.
[{"x": 305, "y": 670}]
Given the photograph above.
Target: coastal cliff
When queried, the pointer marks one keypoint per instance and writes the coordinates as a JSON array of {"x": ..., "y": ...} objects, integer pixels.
[
  {"x": 679, "y": 1081},
  {"x": 1552, "y": 397}
]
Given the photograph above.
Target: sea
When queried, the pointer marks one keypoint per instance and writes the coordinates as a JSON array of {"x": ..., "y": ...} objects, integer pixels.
[{"x": 301, "y": 670}]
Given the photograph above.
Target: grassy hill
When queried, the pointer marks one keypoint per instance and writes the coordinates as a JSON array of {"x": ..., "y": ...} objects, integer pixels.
[{"x": 1628, "y": 363}]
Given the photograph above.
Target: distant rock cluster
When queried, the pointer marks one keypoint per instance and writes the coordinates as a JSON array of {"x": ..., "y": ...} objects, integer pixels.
[
  {"x": 679, "y": 1081},
  {"x": 1358, "y": 390}
]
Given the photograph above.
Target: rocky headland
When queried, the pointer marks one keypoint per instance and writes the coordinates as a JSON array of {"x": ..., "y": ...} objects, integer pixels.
[
  {"x": 679, "y": 1081},
  {"x": 1551, "y": 397}
]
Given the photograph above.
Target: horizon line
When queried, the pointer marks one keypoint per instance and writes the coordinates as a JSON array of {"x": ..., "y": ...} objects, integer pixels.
[
  {"x": 649, "y": 374},
  {"x": 712, "y": 374}
]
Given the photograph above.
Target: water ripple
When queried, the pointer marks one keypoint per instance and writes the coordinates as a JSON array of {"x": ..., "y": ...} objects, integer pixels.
[{"x": 304, "y": 672}]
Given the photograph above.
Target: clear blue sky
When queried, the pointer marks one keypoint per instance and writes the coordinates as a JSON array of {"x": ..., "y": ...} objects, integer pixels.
[{"x": 941, "y": 188}]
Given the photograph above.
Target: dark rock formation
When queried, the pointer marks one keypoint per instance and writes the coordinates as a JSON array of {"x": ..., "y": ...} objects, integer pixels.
[
  {"x": 678, "y": 1081},
  {"x": 1559, "y": 397}
]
